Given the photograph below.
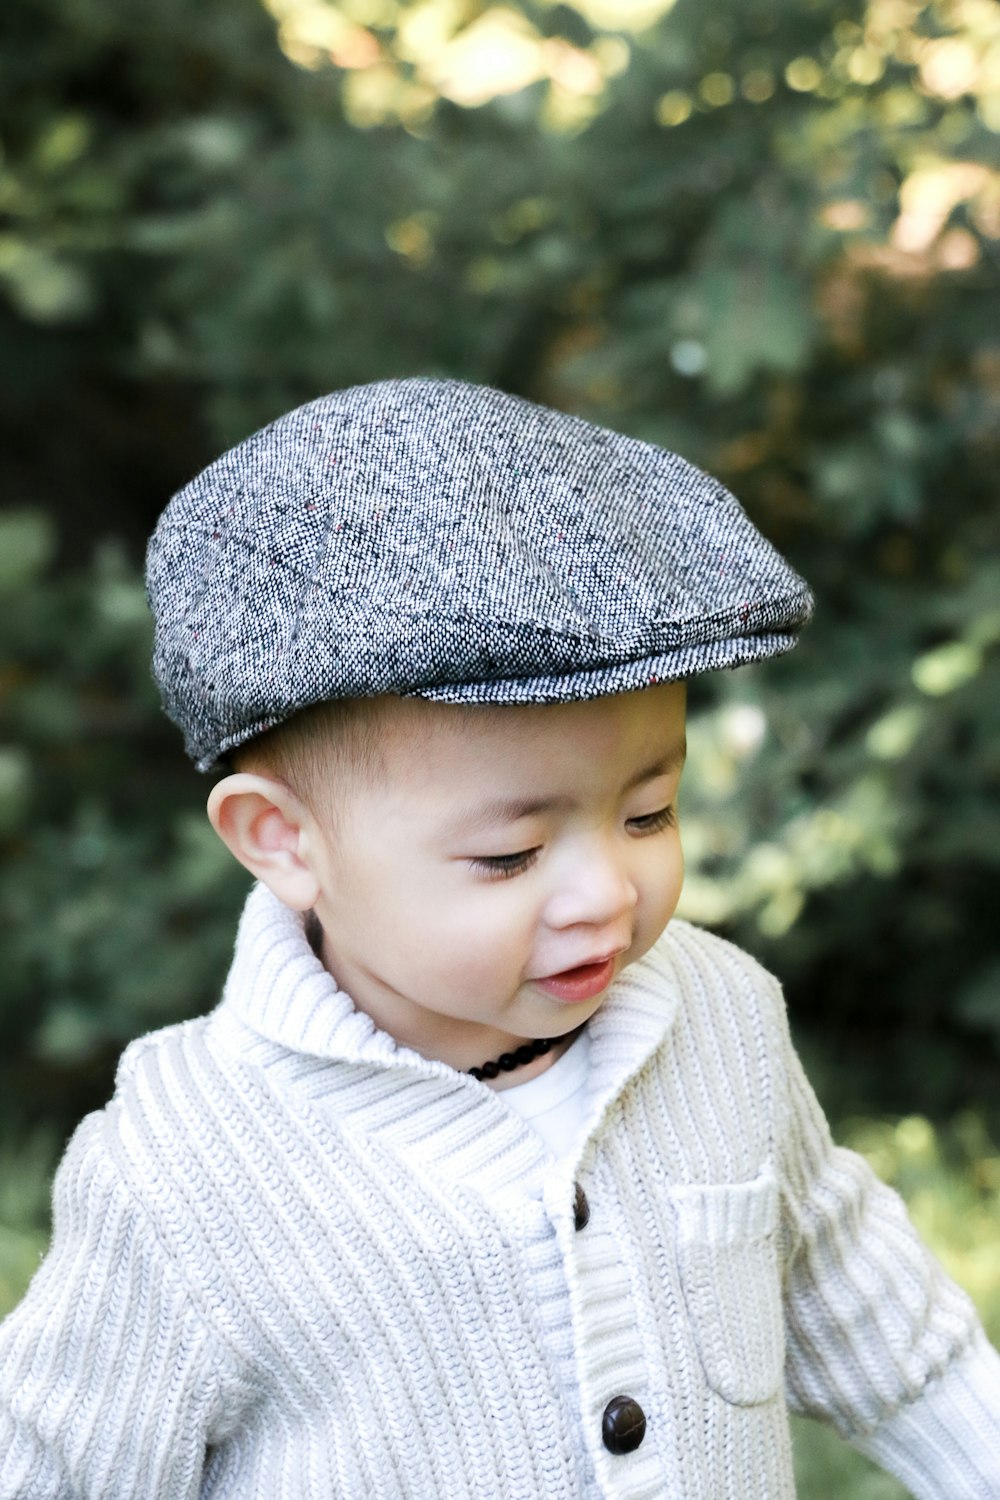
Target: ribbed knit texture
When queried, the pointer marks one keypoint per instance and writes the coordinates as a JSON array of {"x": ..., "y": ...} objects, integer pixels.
[{"x": 294, "y": 1261}]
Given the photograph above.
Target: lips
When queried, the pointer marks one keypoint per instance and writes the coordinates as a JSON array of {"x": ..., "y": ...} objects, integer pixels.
[
  {"x": 582, "y": 982},
  {"x": 585, "y": 971},
  {"x": 590, "y": 963}
]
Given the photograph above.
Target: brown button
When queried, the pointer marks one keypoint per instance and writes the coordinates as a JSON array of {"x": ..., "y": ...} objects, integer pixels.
[
  {"x": 624, "y": 1425},
  {"x": 581, "y": 1208}
]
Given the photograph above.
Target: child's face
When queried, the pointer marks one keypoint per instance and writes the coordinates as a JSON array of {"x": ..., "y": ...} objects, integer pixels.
[{"x": 440, "y": 924}]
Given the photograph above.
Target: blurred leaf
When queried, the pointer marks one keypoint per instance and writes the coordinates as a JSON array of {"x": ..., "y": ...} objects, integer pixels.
[{"x": 27, "y": 543}]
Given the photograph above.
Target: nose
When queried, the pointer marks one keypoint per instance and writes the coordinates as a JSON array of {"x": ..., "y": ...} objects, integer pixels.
[{"x": 594, "y": 887}]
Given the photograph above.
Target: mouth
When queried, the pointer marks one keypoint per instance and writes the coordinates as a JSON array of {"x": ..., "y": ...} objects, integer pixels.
[{"x": 581, "y": 983}]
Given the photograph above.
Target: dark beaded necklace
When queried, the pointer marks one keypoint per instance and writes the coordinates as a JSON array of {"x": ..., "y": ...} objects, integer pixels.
[{"x": 507, "y": 1061}]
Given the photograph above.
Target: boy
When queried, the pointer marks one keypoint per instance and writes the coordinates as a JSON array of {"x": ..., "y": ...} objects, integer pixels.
[{"x": 485, "y": 1179}]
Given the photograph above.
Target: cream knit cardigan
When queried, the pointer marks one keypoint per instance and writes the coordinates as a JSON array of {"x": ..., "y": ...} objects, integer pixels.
[{"x": 295, "y": 1261}]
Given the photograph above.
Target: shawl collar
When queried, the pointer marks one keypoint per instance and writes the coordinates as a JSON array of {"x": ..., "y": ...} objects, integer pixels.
[{"x": 280, "y": 991}]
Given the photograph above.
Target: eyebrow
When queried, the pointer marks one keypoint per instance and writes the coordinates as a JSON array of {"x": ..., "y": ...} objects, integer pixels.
[{"x": 502, "y": 810}]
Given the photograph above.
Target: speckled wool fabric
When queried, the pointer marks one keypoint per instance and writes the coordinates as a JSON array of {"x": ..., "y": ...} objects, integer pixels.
[
  {"x": 431, "y": 537},
  {"x": 293, "y": 1260}
]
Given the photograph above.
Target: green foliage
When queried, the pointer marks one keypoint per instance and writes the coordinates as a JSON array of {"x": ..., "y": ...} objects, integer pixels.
[
  {"x": 826, "y": 1469},
  {"x": 117, "y": 899},
  {"x": 764, "y": 234},
  {"x": 26, "y": 1166}
]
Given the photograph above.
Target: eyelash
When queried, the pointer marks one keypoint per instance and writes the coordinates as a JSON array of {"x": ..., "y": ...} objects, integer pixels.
[{"x": 503, "y": 866}]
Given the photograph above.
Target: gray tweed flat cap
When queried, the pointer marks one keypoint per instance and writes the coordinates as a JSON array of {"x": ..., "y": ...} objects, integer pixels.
[{"x": 449, "y": 541}]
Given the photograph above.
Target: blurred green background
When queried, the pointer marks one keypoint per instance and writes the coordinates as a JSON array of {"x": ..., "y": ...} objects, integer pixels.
[{"x": 762, "y": 232}]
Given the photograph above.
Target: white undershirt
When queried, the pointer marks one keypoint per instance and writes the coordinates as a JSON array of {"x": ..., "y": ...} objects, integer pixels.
[{"x": 554, "y": 1103}]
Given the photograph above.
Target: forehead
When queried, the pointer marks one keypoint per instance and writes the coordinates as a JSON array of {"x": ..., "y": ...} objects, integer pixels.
[{"x": 422, "y": 740}]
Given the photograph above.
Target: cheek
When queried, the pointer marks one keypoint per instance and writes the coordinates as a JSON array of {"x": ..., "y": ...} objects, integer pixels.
[
  {"x": 466, "y": 937},
  {"x": 664, "y": 877},
  {"x": 678, "y": 864}
]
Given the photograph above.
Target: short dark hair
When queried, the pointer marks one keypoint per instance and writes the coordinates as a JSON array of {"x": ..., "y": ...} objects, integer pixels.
[
  {"x": 322, "y": 749},
  {"x": 313, "y": 751}
]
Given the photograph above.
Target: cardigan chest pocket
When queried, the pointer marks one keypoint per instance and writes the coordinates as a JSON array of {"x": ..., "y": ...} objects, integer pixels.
[{"x": 728, "y": 1258}]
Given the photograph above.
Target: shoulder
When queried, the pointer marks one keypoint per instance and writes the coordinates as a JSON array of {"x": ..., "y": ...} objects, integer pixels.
[
  {"x": 163, "y": 1100},
  {"x": 178, "y": 1122},
  {"x": 694, "y": 957},
  {"x": 105, "y": 1228},
  {"x": 181, "y": 1136},
  {"x": 154, "y": 1047},
  {"x": 98, "y": 1164},
  {"x": 175, "y": 1089},
  {"x": 714, "y": 1082},
  {"x": 725, "y": 999}
]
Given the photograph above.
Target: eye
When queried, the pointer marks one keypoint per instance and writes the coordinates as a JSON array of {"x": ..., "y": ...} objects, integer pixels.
[
  {"x": 656, "y": 821},
  {"x": 503, "y": 866}
]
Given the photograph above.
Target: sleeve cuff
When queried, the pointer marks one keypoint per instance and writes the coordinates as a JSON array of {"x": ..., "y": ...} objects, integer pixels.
[{"x": 945, "y": 1445}]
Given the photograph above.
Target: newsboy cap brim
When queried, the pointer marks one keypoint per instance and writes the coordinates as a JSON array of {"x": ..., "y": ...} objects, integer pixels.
[{"x": 437, "y": 539}]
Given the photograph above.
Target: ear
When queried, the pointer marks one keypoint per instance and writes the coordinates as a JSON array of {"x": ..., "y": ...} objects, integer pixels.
[{"x": 262, "y": 822}]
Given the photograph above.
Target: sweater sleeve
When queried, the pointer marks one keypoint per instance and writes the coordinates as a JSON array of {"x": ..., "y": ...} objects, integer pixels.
[
  {"x": 109, "y": 1381},
  {"x": 881, "y": 1343}
]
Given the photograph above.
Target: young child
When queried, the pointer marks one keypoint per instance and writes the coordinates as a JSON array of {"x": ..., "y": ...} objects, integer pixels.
[{"x": 486, "y": 1180}]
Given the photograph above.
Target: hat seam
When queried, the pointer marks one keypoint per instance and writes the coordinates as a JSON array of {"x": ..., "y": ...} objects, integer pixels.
[{"x": 318, "y": 559}]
